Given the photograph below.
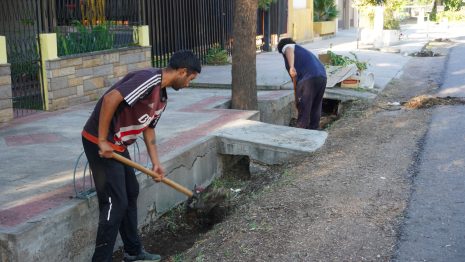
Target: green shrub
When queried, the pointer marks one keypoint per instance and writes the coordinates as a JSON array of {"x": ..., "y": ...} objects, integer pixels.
[
  {"x": 85, "y": 39},
  {"x": 217, "y": 56},
  {"x": 324, "y": 10},
  {"x": 391, "y": 24}
]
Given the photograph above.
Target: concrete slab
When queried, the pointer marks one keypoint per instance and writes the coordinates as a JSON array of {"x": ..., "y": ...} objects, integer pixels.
[{"x": 270, "y": 144}]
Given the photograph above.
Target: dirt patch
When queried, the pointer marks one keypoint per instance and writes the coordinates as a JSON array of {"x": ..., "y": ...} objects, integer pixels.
[
  {"x": 178, "y": 230},
  {"x": 427, "y": 101},
  {"x": 331, "y": 111},
  {"x": 431, "y": 48},
  {"x": 344, "y": 203},
  {"x": 424, "y": 53}
]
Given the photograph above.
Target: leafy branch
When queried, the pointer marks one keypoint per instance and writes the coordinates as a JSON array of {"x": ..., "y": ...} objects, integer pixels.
[{"x": 339, "y": 60}]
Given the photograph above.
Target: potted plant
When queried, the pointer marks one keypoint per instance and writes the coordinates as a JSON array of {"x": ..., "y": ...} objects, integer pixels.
[{"x": 324, "y": 17}]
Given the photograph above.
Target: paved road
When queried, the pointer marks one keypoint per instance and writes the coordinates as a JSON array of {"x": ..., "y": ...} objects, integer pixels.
[{"x": 434, "y": 228}]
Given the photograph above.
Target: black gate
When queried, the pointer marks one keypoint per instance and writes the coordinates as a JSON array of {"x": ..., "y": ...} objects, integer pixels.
[
  {"x": 272, "y": 22},
  {"x": 20, "y": 24},
  {"x": 197, "y": 25}
]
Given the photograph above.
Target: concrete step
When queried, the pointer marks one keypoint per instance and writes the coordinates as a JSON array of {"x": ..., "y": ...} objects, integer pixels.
[{"x": 267, "y": 143}]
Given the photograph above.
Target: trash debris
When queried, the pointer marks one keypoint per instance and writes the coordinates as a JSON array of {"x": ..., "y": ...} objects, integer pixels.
[{"x": 236, "y": 190}]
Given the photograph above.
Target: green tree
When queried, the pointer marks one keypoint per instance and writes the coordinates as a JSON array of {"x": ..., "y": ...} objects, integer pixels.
[
  {"x": 244, "y": 70},
  {"x": 453, "y": 5}
]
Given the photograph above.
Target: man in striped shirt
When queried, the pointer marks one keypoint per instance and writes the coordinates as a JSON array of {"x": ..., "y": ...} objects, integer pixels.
[{"x": 129, "y": 108}]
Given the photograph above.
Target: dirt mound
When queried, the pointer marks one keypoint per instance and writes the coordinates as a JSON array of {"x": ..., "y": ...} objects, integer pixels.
[
  {"x": 425, "y": 101},
  {"x": 425, "y": 53}
]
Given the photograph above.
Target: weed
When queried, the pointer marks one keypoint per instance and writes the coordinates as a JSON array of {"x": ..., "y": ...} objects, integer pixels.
[
  {"x": 253, "y": 226},
  {"x": 217, "y": 56},
  {"x": 227, "y": 182},
  {"x": 178, "y": 258},
  {"x": 171, "y": 218},
  {"x": 200, "y": 257},
  {"x": 227, "y": 253}
]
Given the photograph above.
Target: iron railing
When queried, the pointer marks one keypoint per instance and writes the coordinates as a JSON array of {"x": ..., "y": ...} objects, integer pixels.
[
  {"x": 197, "y": 25},
  {"x": 272, "y": 21},
  {"x": 20, "y": 24}
]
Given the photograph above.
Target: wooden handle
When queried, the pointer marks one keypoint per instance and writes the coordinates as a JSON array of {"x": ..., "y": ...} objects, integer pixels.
[
  {"x": 294, "y": 81},
  {"x": 149, "y": 172}
]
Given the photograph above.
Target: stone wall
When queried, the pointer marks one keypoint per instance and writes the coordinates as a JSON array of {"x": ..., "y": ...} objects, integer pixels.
[
  {"x": 81, "y": 78},
  {"x": 6, "y": 103}
]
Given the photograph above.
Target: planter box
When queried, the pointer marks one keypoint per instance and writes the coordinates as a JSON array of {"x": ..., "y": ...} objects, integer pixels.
[
  {"x": 391, "y": 37},
  {"x": 324, "y": 28},
  {"x": 387, "y": 38}
]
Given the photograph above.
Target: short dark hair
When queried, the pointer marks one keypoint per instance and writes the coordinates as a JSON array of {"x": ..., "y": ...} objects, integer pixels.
[
  {"x": 185, "y": 59},
  {"x": 284, "y": 42}
]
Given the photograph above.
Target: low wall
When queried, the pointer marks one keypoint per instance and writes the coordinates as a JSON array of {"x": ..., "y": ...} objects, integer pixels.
[
  {"x": 6, "y": 103},
  {"x": 81, "y": 78},
  {"x": 68, "y": 233},
  {"x": 277, "y": 108}
]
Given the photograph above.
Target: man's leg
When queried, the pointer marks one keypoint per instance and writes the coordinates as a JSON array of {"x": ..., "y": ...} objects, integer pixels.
[
  {"x": 304, "y": 103},
  {"x": 319, "y": 86},
  {"x": 109, "y": 178},
  {"x": 128, "y": 228}
]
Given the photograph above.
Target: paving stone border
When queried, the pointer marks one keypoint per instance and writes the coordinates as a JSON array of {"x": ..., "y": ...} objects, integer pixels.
[
  {"x": 82, "y": 78},
  {"x": 6, "y": 104}
]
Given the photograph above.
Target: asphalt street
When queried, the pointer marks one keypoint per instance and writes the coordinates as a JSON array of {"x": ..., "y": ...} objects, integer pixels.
[{"x": 434, "y": 228}]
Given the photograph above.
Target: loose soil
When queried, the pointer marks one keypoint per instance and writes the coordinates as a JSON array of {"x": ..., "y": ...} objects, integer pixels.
[
  {"x": 427, "y": 101},
  {"x": 345, "y": 202}
]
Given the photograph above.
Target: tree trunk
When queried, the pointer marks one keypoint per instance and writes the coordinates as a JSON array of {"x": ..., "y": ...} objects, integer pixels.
[{"x": 244, "y": 71}]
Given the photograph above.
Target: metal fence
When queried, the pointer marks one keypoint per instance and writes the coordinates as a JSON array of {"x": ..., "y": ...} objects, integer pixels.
[
  {"x": 84, "y": 26},
  {"x": 277, "y": 12},
  {"x": 198, "y": 25},
  {"x": 20, "y": 24},
  {"x": 91, "y": 25}
]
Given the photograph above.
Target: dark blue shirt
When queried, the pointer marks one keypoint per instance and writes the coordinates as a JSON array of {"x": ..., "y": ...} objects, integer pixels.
[{"x": 306, "y": 64}]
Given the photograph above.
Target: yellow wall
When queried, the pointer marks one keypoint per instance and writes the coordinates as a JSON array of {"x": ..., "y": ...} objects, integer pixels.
[
  {"x": 143, "y": 35},
  {"x": 3, "y": 56},
  {"x": 301, "y": 22},
  {"x": 48, "y": 51}
]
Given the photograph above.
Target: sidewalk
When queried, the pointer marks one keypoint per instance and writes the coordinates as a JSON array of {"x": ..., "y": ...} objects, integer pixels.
[{"x": 271, "y": 73}]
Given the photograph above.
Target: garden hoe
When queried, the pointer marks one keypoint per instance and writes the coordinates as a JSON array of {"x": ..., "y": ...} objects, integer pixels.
[{"x": 194, "y": 202}]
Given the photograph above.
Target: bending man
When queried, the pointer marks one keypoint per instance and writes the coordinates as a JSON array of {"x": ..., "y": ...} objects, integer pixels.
[
  {"x": 310, "y": 76},
  {"x": 129, "y": 108}
]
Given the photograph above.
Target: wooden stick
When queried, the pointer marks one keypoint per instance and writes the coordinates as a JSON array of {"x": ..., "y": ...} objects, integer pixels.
[
  {"x": 294, "y": 81},
  {"x": 149, "y": 172}
]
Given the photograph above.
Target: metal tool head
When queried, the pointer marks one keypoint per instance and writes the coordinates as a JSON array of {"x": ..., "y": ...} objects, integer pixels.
[
  {"x": 196, "y": 202},
  {"x": 205, "y": 201}
]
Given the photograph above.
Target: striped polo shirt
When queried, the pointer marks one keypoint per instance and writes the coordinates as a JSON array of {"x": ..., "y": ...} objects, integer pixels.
[{"x": 144, "y": 102}]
